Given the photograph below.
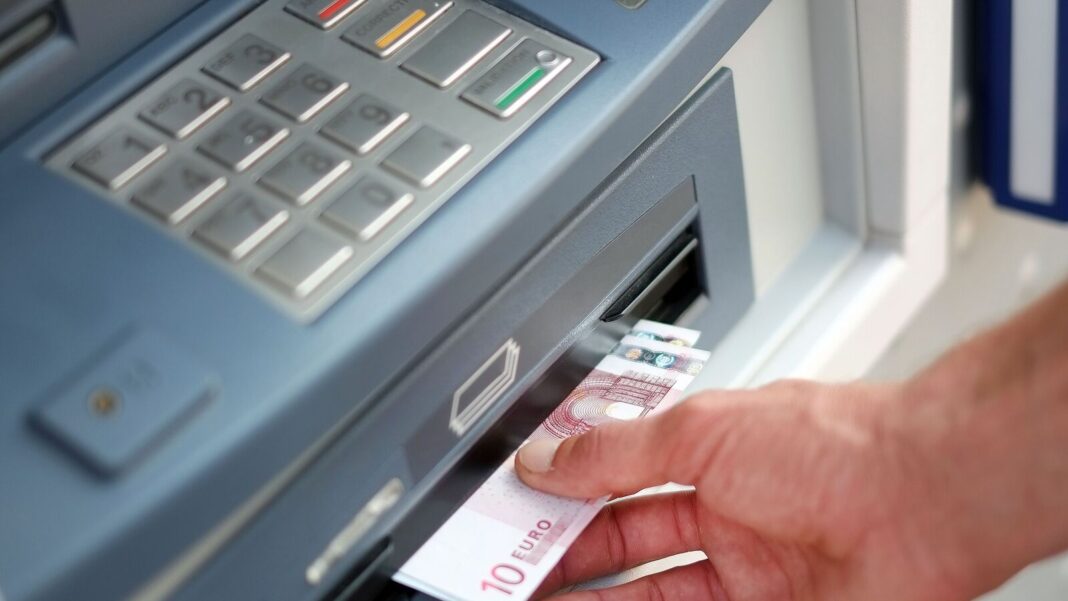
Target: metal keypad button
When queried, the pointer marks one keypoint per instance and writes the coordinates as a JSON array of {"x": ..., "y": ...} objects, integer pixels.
[
  {"x": 246, "y": 62},
  {"x": 243, "y": 140},
  {"x": 304, "y": 263},
  {"x": 324, "y": 14},
  {"x": 304, "y": 92},
  {"x": 389, "y": 24},
  {"x": 364, "y": 124},
  {"x": 185, "y": 107},
  {"x": 118, "y": 158},
  {"x": 367, "y": 207},
  {"x": 516, "y": 78},
  {"x": 456, "y": 49},
  {"x": 178, "y": 190},
  {"x": 305, "y": 173},
  {"x": 241, "y": 225},
  {"x": 426, "y": 156}
]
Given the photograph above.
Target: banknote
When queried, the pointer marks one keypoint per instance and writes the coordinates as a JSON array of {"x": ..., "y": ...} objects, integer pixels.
[
  {"x": 662, "y": 332},
  {"x": 506, "y": 538}
]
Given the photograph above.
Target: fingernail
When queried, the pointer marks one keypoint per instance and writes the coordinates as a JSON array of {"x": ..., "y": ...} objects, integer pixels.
[{"x": 538, "y": 455}]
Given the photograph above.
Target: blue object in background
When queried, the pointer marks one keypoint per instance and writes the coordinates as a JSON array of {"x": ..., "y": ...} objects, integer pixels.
[{"x": 1024, "y": 85}]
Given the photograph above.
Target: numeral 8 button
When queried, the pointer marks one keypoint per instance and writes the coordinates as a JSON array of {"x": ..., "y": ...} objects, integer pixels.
[{"x": 305, "y": 173}]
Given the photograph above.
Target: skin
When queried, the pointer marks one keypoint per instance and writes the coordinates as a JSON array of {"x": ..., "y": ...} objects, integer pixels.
[{"x": 937, "y": 488}]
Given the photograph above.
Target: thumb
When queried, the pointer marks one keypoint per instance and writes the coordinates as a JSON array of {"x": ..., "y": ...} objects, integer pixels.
[{"x": 619, "y": 458}]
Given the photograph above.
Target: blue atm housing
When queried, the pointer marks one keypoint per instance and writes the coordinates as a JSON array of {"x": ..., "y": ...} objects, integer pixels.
[{"x": 276, "y": 433}]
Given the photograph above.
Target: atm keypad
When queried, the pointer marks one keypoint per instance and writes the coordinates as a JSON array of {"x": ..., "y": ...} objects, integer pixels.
[{"x": 300, "y": 146}]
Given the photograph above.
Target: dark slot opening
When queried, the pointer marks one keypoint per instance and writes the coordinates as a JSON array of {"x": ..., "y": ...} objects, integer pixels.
[
  {"x": 666, "y": 288},
  {"x": 19, "y": 40}
]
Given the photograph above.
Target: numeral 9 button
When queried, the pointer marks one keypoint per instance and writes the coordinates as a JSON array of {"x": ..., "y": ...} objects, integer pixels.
[{"x": 364, "y": 124}]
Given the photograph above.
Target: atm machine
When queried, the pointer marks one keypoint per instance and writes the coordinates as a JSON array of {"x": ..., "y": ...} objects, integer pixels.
[{"x": 275, "y": 270}]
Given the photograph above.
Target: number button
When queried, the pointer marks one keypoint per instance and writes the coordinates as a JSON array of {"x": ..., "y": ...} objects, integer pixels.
[
  {"x": 305, "y": 173},
  {"x": 178, "y": 190},
  {"x": 246, "y": 62},
  {"x": 243, "y": 140},
  {"x": 364, "y": 124},
  {"x": 184, "y": 108},
  {"x": 118, "y": 158},
  {"x": 367, "y": 207},
  {"x": 302, "y": 94},
  {"x": 426, "y": 157},
  {"x": 240, "y": 226}
]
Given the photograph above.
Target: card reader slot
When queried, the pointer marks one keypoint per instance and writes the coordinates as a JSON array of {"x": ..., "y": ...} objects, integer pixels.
[
  {"x": 666, "y": 288},
  {"x": 29, "y": 34}
]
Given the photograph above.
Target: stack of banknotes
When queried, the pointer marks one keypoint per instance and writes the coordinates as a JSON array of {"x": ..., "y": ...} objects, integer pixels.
[{"x": 506, "y": 538}]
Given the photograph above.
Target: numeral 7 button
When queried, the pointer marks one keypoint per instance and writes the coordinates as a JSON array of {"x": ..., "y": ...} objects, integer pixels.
[{"x": 240, "y": 226}]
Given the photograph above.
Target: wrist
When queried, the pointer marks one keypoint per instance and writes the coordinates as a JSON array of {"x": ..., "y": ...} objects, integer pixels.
[{"x": 994, "y": 467}]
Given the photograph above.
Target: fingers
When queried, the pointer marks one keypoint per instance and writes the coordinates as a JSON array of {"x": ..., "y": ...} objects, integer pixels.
[
  {"x": 628, "y": 534},
  {"x": 622, "y": 457},
  {"x": 694, "y": 582}
]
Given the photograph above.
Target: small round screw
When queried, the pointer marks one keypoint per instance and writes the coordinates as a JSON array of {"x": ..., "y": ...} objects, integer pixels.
[
  {"x": 104, "y": 402},
  {"x": 547, "y": 58}
]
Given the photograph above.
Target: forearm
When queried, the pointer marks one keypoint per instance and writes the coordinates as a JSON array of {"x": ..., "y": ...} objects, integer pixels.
[{"x": 992, "y": 418}]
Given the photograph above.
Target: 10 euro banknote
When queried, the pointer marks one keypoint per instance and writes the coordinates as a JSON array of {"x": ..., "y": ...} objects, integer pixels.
[{"x": 506, "y": 538}]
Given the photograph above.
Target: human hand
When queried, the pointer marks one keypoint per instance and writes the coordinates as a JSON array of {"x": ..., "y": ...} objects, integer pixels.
[{"x": 801, "y": 491}]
